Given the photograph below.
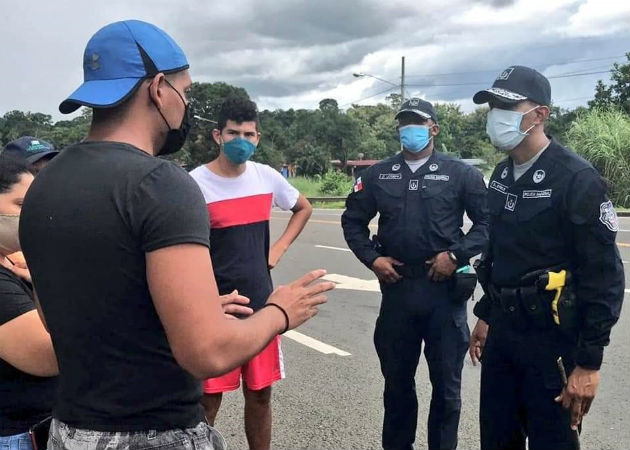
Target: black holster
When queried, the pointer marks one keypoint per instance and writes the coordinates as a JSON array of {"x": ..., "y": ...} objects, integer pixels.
[{"x": 463, "y": 286}]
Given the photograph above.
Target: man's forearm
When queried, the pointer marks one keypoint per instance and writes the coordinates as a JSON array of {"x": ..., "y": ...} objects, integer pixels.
[
  {"x": 473, "y": 243},
  {"x": 238, "y": 341},
  {"x": 296, "y": 224}
]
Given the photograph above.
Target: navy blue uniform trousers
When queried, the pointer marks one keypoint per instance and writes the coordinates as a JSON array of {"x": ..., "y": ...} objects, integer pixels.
[
  {"x": 413, "y": 312},
  {"x": 519, "y": 382}
]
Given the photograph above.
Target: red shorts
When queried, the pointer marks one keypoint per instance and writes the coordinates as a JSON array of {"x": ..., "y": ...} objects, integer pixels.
[{"x": 258, "y": 373}]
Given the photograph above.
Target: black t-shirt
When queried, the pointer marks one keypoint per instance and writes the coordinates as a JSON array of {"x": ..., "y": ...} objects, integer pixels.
[
  {"x": 24, "y": 399},
  {"x": 87, "y": 222}
]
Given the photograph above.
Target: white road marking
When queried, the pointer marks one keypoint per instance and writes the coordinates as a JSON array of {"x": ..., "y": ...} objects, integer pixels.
[
  {"x": 627, "y": 291},
  {"x": 357, "y": 284},
  {"x": 314, "y": 343},
  {"x": 334, "y": 248}
]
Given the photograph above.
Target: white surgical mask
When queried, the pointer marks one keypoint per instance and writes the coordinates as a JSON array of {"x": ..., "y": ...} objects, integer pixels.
[
  {"x": 504, "y": 128},
  {"x": 9, "y": 237}
]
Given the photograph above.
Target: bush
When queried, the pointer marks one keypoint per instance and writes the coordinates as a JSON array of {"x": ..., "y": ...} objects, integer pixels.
[
  {"x": 335, "y": 183},
  {"x": 602, "y": 136}
]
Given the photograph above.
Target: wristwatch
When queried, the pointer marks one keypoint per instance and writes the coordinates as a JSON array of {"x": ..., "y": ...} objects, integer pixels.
[{"x": 453, "y": 257}]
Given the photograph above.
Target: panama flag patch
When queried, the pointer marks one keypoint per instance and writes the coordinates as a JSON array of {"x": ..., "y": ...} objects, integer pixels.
[{"x": 358, "y": 185}]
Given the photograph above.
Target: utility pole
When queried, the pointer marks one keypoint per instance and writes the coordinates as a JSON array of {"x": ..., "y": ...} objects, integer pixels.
[{"x": 402, "y": 81}]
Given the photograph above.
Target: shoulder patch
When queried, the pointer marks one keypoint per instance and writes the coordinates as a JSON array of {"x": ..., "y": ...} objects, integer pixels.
[
  {"x": 358, "y": 185},
  {"x": 608, "y": 216}
]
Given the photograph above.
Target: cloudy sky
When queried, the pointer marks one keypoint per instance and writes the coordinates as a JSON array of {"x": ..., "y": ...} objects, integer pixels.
[{"x": 290, "y": 53}]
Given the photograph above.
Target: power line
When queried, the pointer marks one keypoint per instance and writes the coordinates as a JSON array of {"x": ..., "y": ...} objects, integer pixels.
[
  {"x": 576, "y": 61},
  {"x": 478, "y": 83},
  {"x": 374, "y": 95}
]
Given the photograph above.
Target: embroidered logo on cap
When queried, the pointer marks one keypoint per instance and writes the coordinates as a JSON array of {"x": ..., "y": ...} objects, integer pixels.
[
  {"x": 414, "y": 102},
  {"x": 506, "y": 73},
  {"x": 539, "y": 175},
  {"x": 94, "y": 64}
]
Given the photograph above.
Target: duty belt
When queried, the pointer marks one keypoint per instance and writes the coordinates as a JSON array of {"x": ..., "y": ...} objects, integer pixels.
[
  {"x": 412, "y": 270},
  {"x": 547, "y": 299}
]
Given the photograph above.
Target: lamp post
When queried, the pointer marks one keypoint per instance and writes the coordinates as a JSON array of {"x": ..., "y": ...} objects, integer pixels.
[
  {"x": 402, "y": 79},
  {"x": 361, "y": 75}
]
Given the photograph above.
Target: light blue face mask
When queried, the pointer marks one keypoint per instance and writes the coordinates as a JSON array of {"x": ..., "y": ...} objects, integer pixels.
[
  {"x": 414, "y": 138},
  {"x": 504, "y": 128},
  {"x": 238, "y": 150}
]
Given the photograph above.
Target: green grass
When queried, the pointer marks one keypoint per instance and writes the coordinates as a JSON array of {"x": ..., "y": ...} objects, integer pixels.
[
  {"x": 309, "y": 187},
  {"x": 602, "y": 137}
]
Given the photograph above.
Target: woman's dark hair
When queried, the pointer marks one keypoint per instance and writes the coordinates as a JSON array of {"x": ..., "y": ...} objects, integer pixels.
[
  {"x": 11, "y": 168},
  {"x": 238, "y": 109}
]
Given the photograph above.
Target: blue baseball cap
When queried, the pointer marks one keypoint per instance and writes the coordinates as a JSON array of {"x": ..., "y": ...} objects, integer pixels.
[{"x": 116, "y": 60}]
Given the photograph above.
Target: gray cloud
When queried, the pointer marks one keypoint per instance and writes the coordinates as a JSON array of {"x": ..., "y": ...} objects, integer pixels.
[
  {"x": 496, "y": 3},
  {"x": 288, "y": 53}
]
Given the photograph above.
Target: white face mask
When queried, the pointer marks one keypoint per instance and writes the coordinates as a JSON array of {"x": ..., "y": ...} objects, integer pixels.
[
  {"x": 504, "y": 128},
  {"x": 9, "y": 236}
]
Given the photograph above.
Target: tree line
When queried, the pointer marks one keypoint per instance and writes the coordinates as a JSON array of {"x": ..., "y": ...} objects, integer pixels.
[{"x": 310, "y": 139}]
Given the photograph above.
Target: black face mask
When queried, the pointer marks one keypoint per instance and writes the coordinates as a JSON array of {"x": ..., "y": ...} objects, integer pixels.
[{"x": 176, "y": 137}]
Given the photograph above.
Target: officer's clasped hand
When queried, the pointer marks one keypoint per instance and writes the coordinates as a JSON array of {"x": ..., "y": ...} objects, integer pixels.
[
  {"x": 383, "y": 267},
  {"x": 440, "y": 267}
]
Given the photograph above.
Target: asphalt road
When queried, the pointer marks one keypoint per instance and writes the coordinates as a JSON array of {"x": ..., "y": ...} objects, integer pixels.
[{"x": 330, "y": 401}]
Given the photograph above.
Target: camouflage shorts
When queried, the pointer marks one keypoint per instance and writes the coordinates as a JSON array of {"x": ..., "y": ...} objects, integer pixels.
[{"x": 202, "y": 437}]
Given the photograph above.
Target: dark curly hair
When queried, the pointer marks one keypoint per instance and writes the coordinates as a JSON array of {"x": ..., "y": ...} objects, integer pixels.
[
  {"x": 238, "y": 109},
  {"x": 11, "y": 168}
]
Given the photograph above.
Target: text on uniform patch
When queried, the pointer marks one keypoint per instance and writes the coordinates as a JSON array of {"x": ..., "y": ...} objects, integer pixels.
[
  {"x": 390, "y": 176},
  {"x": 436, "y": 177},
  {"x": 537, "y": 194}
]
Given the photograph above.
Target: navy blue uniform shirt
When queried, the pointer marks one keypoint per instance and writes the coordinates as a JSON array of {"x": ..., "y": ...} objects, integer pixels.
[
  {"x": 558, "y": 214},
  {"x": 420, "y": 214}
]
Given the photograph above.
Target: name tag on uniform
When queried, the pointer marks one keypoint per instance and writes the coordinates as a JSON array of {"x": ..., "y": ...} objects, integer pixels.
[
  {"x": 498, "y": 187},
  {"x": 432, "y": 176},
  {"x": 537, "y": 194},
  {"x": 390, "y": 176}
]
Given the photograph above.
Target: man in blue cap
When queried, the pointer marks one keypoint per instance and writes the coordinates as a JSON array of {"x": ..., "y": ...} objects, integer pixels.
[
  {"x": 118, "y": 244},
  {"x": 36, "y": 152}
]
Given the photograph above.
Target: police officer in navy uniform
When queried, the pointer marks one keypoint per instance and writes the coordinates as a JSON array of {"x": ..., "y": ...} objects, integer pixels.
[
  {"x": 549, "y": 213},
  {"x": 421, "y": 196}
]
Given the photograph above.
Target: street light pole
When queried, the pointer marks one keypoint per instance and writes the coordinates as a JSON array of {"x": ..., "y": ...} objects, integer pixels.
[
  {"x": 361, "y": 74},
  {"x": 402, "y": 81},
  {"x": 401, "y": 84}
]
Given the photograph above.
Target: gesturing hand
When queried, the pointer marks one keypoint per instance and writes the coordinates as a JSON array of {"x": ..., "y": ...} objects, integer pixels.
[{"x": 301, "y": 298}]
